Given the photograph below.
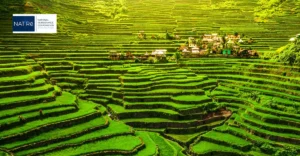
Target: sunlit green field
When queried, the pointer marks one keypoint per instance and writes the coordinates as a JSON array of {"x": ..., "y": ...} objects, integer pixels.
[{"x": 61, "y": 94}]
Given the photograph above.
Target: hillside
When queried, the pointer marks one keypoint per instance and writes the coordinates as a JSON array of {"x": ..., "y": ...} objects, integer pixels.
[{"x": 61, "y": 94}]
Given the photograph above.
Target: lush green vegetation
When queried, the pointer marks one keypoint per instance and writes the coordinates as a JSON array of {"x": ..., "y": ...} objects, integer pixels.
[
  {"x": 61, "y": 94},
  {"x": 288, "y": 54}
]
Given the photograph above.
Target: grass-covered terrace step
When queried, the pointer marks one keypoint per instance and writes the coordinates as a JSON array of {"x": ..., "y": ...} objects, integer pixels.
[
  {"x": 101, "y": 101},
  {"x": 16, "y": 71},
  {"x": 153, "y": 74},
  {"x": 244, "y": 133},
  {"x": 266, "y": 92},
  {"x": 242, "y": 78},
  {"x": 151, "y": 45},
  {"x": 200, "y": 128},
  {"x": 96, "y": 96},
  {"x": 22, "y": 79},
  {"x": 275, "y": 112},
  {"x": 58, "y": 135},
  {"x": 60, "y": 67},
  {"x": 183, "y": 139},
  {"x": 165, "y": 146},
  {"x": 69, "y": 85},
  {"x": 226, "y": 139},
  {"x": 101, "y": 63},
  {"x": 167, "y": 92},
  {"x": 12, "y": 60},
  {"x": 273, "y": 75},
  {"x": 188, "y": 85},
  {"x": 50, "y": 59},
  {"x": 165, "y": 112},
  {"x": 19, "y": 64},
  {"x": 270, "y": 66},
  {"x": 191, "y": 99},
  {"x": 172, "y": 125},
  {"x": 89, "y": 58},
  {"x": 103, "y": 71},
  {"x": 77, "y": 80},
  {"x": 180, "y": 99},
  {"x": 14, "y": 121},
  {"x": 10, "y": 103},
  {"x": 154, "y": 82},
  {"x": 35, "y": 84},
  {"x": 247, "y": 118},
  {"x": 216, "y": 93},
  {"x": 101, "y": 91},
  {"x": 150, "y": 148},
  {"x": 81, "y": 51},
  {"x": 126, "y": 144},
  {"x": 182, "y": 109},
  {"x": 113, "y": 130},
  {"x": 285, "y": 121},
  {"x": 206, "y": 68},
  {"x": 65, "y": 100},
  {"x": 12, "y": 56},
  {"x": 30, "y": 91},
  {"x": 3, "y": 53},
  {"x": 86, "y": 111},
  {"x": 203, "y": 148},
  {"x": 71, "y": 54},
  {"x": 94, "y": 84},
  {"x": 274, "y": 136},
  {"x": 123, "y": 113},
  {"x": 149, "y": 98},
  {"x": 87, "y": 66},
  {"x": 275, "y": 88},
  {"x": 176, "y": 75},
  {"x": 275, "y": 72},
  {"x": 67, "y": 73}
]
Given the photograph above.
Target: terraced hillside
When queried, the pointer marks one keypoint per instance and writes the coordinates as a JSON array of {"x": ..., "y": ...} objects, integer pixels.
[{"x": 60, "y": 94}]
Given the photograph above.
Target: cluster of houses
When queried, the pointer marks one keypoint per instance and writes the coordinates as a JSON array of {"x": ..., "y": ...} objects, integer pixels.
[
  {"x": 205, "y": 45},
  {"x": 159, "y": 53},
  {"x": 215, "y": 44}
]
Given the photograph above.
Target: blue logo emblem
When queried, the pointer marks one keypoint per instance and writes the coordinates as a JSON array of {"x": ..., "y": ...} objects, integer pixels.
[{"x": 23, "y": 23}]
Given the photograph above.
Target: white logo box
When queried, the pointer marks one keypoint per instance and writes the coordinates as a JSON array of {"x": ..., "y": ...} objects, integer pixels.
[{"x": 44, "y": 23}]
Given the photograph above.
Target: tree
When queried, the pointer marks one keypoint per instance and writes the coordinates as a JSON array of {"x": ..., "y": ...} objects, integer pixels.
[
  {"x": 267, "y": 148},
  {"x": 236, "y": 34},
  {"x": 168, "y": 36},
  {"x": 289, "y": 53},
  {"x": 289, "y": 151},
  {"x": 177, "y": 56},
  {"x": 267, "y": 9}
]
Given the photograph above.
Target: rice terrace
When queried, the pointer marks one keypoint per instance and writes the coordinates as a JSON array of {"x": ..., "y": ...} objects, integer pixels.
[{"x": 152, "y": 78}]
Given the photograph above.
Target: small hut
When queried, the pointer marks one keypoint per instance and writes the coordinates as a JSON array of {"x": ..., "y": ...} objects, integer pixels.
[
  {"x": 129, "y": 56},
  {"x": 159, "y": 53},
  {"x": 207, "y": 38},
  {"x": 195, "y": 50},
  {"x": 185, "y": 52},
  {"x": 216, "y": 38},
  {"x": 192, "y": 42},
  {"x": 114, "y": 55},
  {"x": 141, "y": 35}
]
